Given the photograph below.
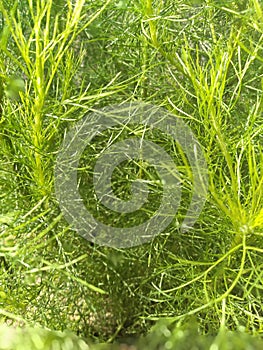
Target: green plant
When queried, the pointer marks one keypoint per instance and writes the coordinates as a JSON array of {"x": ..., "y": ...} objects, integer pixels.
[{"x": 202, "y": 61}]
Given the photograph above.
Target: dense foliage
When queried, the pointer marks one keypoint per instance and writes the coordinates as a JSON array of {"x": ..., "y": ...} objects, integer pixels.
[{"x": 201, "y": 61}]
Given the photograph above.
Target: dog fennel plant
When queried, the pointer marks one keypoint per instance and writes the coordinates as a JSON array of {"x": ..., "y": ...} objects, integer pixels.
[
  {"x": 43, "y": 45},
  {"x": 201, "y": 61}
]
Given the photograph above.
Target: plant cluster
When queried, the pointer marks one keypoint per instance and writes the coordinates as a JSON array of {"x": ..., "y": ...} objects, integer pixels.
[{"x": 61, "y": 61}]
